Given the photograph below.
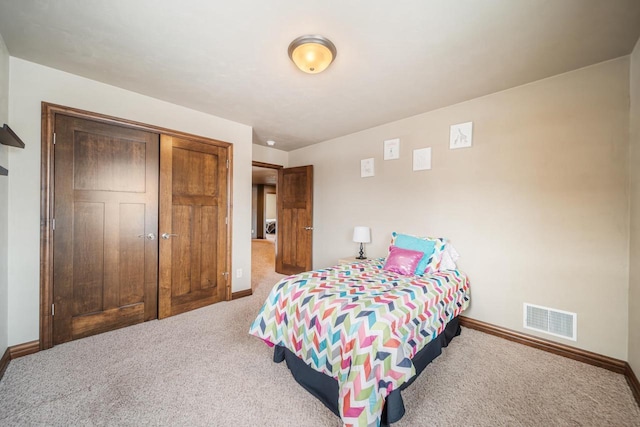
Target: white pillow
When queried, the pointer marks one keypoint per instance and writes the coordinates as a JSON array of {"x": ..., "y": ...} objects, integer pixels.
[{"x": 449, "y": 257}]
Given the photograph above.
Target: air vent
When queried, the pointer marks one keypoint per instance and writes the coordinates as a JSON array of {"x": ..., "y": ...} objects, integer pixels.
[{"x": 551, "y": 321}]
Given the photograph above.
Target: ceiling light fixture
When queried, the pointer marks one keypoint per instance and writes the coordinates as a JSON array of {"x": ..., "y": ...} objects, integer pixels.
[
  {"x": 312, "y": 53},
  {"x": 271, "y": 143}
]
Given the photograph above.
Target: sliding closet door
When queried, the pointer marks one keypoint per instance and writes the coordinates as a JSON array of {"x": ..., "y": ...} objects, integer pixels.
[
  {"x": 105, "y": 208},
  {"x": 193, "y": 225}
]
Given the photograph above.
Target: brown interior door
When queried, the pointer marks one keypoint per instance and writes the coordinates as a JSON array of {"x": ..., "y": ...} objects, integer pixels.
[
  {"x": 193, "y": 225},
  {"x": 295, "y": 220},
  {"x": 106, "y": 220}
]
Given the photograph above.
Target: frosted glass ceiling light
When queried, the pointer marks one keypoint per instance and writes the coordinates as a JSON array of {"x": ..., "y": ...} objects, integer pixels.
[{"x": 313, "y": 53}]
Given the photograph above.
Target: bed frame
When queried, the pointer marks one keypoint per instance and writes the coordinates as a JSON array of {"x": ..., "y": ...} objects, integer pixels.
[{"x": 325, "y": 388}]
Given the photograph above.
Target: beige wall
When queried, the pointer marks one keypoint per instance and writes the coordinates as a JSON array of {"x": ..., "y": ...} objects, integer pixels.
[
  {"x": 4, "y": 198},
  {"x": 29, "y": 85},
  {"x": 270, "y": 155},
  {"x": 270, "y": 204},
  {"x": 634, "y": 247},
  {"x": 537, "y": 208}
]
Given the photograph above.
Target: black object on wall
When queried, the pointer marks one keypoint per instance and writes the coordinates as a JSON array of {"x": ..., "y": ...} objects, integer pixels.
[{"x": 9, "y": 137}]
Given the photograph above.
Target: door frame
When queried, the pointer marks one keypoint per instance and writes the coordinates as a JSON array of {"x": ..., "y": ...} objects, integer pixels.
[
  {"x": 266, "y": 166},
  {"x": 49, "y": 112}
]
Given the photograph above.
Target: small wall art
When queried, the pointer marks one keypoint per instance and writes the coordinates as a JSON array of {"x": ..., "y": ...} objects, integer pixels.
[
  {"x": 392, "y": 149},
  {"x": 461, "y": 135},
  {"x": 422, "y": 159},
  {"x": 366, "y": 168}
]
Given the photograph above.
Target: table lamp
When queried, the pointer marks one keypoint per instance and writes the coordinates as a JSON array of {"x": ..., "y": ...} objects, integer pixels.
[{"x": 361, "y": 235}]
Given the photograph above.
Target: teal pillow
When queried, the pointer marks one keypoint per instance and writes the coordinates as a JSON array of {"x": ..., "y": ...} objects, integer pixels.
[{"x": 416, "y": 244}]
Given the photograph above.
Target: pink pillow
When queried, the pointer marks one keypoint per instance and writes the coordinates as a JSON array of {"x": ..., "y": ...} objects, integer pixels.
[{"x": 402, "y": 261}]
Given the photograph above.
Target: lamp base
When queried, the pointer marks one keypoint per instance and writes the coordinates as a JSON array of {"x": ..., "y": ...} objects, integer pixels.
[{"x": 361, "y": 256}]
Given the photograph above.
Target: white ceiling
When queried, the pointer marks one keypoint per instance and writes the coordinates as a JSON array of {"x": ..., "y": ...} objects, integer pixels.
[{"x": 395, "y": 59}]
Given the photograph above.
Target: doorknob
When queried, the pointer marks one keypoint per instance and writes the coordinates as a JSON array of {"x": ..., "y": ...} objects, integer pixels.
[
  {"x": 308, "y": 228},
  {"x": 149, "y": 236},
  {"x": 166, "y": 236}
]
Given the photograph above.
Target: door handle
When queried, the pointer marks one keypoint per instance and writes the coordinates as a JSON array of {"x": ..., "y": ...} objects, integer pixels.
[
  {"x": 149, "y": 236},
  {"x": 166, "y": 236},
  {"x": 308, "y": 228}
]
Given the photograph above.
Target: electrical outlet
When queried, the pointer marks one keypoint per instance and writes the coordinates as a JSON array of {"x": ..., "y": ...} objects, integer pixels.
[{"x": 239, "y": 273}]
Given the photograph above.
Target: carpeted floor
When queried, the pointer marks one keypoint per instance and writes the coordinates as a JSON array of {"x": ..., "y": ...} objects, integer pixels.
[{"x": 202, "y": 369}]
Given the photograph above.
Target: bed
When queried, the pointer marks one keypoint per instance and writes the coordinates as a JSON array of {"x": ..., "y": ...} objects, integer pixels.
[
  {"x": 270, "y": 225},
  {"x": 355, "y": 335}
]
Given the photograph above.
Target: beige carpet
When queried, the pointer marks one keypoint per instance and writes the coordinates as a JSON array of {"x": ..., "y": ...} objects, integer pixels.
[{"x": 202, "y": 369}]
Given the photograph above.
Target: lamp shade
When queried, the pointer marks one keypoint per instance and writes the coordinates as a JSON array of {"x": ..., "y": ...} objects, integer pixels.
[
  {"x": 312, "y": 54},
  {"x": 361, "y": 234}
]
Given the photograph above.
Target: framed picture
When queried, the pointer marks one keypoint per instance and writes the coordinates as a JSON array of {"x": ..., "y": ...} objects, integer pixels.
[
  {"x": 422, "y": 159},
  {"x": 461, "y": 135},
  {"x": 392, "y": 149},
  {"x": 366, "y": 168}
]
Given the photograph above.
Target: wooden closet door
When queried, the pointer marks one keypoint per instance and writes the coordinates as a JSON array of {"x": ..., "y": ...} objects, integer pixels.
[
  {"x": 193, "y": 225},
  {"x": 105, "y": 209}
]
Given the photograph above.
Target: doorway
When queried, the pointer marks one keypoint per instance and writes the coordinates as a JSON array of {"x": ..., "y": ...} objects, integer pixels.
[
  {"x": 293, "y": 224},
  {"x": 264, "y": 221}
]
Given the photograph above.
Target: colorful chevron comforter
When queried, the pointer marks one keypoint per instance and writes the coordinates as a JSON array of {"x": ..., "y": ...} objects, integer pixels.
[{"x": 362, "y": 326}]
